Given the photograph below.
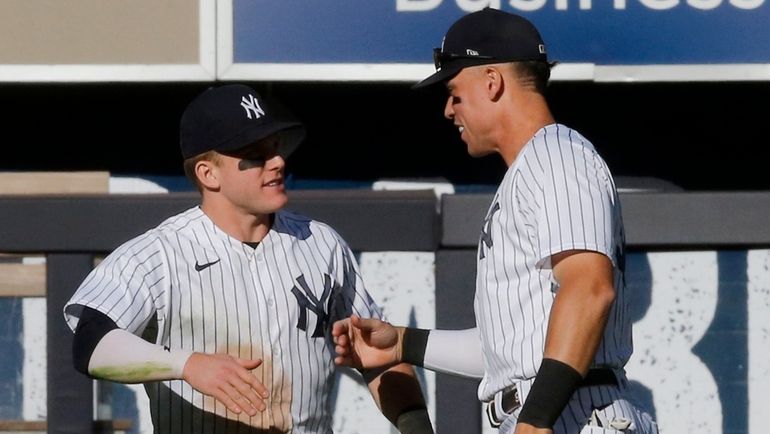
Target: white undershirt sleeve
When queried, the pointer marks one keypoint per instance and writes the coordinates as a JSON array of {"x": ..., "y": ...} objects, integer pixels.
[
  {"x": 456, "y": 352},
  {"x": 126, "y": 358}
]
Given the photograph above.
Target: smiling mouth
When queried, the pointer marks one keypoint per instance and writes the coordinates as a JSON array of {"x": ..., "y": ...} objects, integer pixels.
[
  {"x": 274, "y": 183},
  {"x": 460, "y": 128}
]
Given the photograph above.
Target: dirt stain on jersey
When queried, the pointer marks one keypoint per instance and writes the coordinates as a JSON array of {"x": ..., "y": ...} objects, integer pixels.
[{"x": 277, "y": 415}]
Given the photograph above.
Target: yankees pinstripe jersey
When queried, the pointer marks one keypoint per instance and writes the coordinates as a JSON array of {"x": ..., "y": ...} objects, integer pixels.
[
  {"x": 557, "y": 195},
  {"x": 208, "y": 292}
]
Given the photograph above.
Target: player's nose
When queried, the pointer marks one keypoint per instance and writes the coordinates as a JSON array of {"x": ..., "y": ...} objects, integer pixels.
[
  {"x": 449, "y": 111},
  {"x": 275, "y": 162}
]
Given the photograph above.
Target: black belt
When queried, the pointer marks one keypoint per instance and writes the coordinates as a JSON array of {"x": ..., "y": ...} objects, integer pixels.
[{"x": 510, "y": 399}]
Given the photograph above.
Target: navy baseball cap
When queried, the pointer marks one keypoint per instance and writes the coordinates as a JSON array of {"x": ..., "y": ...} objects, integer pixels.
[
  {"x": 484, "y": 37},
  {"x": 230, "y": 117}
]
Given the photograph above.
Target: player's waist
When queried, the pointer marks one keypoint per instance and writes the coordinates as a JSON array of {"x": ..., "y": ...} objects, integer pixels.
[{"x": 508, "y": 400}]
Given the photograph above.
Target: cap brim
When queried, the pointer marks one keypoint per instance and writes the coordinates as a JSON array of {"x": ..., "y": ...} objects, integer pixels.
[
  {"x": 449, "y": 70},
  {"x": 291, "y": 139},
  {"x": 292, "y": 134},
  {"x": 439, "y": 76}
]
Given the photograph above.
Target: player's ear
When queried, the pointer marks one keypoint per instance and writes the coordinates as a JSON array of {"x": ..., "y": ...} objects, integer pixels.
[
  {"x": 494, "y": 82},
  {"x": 207, "y": 174}
]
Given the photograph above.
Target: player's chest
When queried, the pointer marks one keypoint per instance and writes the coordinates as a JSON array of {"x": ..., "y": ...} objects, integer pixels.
[
  {"x": 503, "y": 226},
  {"x": 261, "y": 290}
]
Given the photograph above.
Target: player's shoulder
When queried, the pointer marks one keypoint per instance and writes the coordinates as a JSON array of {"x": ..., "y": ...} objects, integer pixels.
[
  {"x": 556, "y": 143},
  {"x": 173, "y": 228},
  {"x": 558, "y": 137},
  {"x": 186, "y": 221},
  {"x": 303, "y": 227},
  {"x": 142, "y": 246}
]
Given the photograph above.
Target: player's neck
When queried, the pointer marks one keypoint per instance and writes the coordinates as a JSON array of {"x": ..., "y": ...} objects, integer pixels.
[
  {"x": 522, "y": 123},
  {"x": 240, "y": 224}
]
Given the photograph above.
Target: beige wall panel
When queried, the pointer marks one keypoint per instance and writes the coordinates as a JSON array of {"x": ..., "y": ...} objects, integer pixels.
[
  {"x": 22, "y": 280},
  {"x": 13, "y": 183},
  {"x": 99, "y": 32}
]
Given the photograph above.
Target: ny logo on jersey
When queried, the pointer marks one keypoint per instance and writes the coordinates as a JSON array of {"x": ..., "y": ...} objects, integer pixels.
[
  {"x": 308, "y": 301},
  {"x": 251, "y": 105},
  {"x": 486, "y": 230}
]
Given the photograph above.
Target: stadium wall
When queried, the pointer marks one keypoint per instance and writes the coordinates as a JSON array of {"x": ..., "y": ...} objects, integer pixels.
[{"x": 701, "y": 282}]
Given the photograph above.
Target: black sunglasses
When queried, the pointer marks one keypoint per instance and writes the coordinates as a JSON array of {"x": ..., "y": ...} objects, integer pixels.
[{"x": 440, "y": 57}]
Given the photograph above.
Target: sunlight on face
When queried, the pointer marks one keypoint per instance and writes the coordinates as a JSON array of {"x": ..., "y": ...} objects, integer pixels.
[
  {"x": 252, "y": 178},
  {"x": 465, "y": 107},
  {"x": 257, "y": 154}
]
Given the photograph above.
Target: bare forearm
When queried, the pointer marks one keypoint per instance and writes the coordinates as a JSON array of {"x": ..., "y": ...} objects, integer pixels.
[
  {"x": 397, "y": 393},
  {"x": 576, "y": 327},
  {"x": 395, "y": 390},
  {"x": 581, "y": 308}
]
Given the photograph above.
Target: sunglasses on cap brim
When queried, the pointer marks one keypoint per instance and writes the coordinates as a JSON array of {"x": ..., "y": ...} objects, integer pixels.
[{"x": 440, "y": 57}]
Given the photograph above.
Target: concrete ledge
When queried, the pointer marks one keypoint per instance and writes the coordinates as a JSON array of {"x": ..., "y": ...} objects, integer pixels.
[
  {"x": 665, "y": 219},
  {"x": 368, "y": 220}
]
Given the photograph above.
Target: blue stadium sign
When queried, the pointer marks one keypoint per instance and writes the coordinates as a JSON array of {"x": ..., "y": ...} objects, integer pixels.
[{"x": 616, "y": 40}]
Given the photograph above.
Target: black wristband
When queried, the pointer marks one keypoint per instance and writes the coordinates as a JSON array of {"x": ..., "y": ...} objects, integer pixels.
[
  {"x": 414, "y": 421},
  {"x": 554, "y": 385},
  {"x": 413, "y": 345}
]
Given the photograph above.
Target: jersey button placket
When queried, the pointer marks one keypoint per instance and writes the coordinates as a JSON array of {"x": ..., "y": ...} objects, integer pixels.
[{"x": 264, "y": 296}]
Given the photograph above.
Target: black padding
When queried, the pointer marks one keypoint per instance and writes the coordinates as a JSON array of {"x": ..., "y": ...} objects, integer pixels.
[{"x": 92, "y": 327}]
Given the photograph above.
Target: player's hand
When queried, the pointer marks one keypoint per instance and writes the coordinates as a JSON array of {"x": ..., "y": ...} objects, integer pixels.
[
  {"x": 228, "y": 379},
  {"x": 366, "y": 343}
]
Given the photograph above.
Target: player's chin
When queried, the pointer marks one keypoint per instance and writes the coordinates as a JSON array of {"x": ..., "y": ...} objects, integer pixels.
[
  {"x": 472, "y": 148},
  {"x": 476, "y": 151},
  {"x": 273, "y": 201}
]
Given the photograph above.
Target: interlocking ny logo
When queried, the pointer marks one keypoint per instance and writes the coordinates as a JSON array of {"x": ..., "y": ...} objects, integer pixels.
[
  {"x": 486, "y": 231},
  {"x": 307, "y": 300},
  {"x": 251, "y": 105}
]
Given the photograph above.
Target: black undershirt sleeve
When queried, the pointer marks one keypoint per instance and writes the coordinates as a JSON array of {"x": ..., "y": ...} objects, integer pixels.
[{"x": 92, "y": 327}]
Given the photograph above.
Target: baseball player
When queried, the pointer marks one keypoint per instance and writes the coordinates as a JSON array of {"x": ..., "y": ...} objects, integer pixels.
[
  {"x": 551, "y": 304},
  {"x": 224, "y": 310}
]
